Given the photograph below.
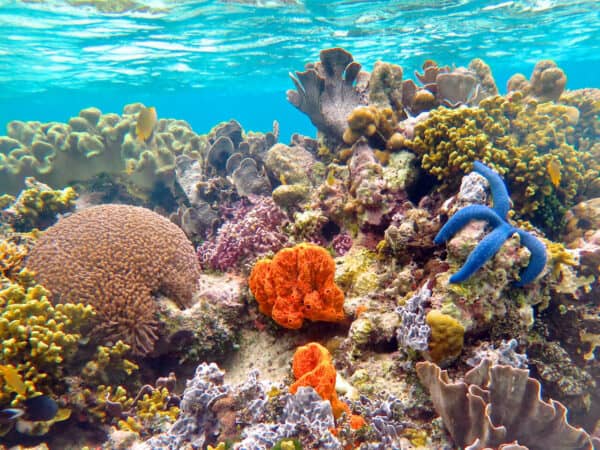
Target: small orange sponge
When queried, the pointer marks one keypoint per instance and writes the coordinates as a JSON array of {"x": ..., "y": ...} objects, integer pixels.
[
  {"x": 297, "y": 284},
  {"x": 312, "y": 366}
]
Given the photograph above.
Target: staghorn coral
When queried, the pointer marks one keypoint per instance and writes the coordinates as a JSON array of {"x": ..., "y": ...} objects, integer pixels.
[
  {"x": 115, "y": 257},
  {"x": 298, "y": 284},
  {"x": 519, "y": 139},
  {"x": 497, "y": 405},
  {"x": 36, "y": 335}
]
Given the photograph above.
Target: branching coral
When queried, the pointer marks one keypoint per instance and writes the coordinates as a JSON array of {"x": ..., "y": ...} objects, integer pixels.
[
  {"x": 253, "y": 230},
  {"x": 298, "y": 284},
  {"x": 115, "y": 257},
  {"x": 37, "y": 206},
  {"x": 521, "y": 139},
  {"x": 36, "y": 336}
]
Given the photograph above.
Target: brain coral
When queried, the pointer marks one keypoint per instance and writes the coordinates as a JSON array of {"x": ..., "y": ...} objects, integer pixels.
[{"x": 114, "y": 257}]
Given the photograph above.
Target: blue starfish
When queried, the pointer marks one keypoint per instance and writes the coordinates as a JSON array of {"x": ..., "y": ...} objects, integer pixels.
[{"x": 502, "y": 230}]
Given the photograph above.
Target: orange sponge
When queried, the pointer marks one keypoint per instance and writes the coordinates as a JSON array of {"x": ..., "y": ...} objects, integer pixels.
[
  {"x": 312, "y": 366},
  {"x": 297, "y": 284}
]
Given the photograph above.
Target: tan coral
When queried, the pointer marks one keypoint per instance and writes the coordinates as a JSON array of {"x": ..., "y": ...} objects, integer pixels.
[{"x": 114, "y": 257}]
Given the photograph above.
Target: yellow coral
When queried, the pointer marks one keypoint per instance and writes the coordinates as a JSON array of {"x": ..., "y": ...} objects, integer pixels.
[
  {"x": 447, "y": 337},
  {"x": 36, "y": 335},
  {"x": 519, "y": 138},
  {"x": 153, "y": 406},
  {"x": 37, "y": 206}
]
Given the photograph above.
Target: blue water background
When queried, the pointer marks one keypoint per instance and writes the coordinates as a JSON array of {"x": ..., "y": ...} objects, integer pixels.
[{"x": 209, "y": 61}]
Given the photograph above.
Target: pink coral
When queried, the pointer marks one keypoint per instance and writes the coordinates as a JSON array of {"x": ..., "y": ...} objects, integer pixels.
[{"x": 252, "y": 231}]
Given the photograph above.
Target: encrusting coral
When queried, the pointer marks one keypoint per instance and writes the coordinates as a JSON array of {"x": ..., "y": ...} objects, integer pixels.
[
  {"x": 298, "y": 284},
  {"x": 115, "y": 257}
]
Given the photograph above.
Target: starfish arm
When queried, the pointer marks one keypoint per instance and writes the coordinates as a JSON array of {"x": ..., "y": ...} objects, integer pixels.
[
  {"x": 463, "y": 216},
  {"x": 487, "y": 248},
  {"x": 500, "y": 197},
  {"x": 537, "y": 260}
]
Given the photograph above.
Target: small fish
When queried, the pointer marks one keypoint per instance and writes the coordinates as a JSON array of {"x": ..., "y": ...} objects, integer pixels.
[
  {"x": 146, "y": 121},
  {"x": 40, "y": 408},
  {"x": 554, "y": 167},
  {"x": 13, "y": 379},
  {"x": 330, "y": 178},
  {"x": 10, "y": 415},
  {"x": 282, "y": 179}
]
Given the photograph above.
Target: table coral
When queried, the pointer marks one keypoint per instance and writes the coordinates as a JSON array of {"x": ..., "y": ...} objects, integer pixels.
[
  {"x": 298, "y": 284},
  {"x": 115, "y": 257},
  {"x": 312, "y": 366}
]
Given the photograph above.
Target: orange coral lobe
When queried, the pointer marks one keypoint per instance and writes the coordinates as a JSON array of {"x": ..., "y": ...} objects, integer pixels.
[
  {"x": 297, "y": 284},
  {"x": 312, "y": 366}
]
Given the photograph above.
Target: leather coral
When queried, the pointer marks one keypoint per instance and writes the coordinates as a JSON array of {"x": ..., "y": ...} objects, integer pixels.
[{"x": 298, "y": 284}]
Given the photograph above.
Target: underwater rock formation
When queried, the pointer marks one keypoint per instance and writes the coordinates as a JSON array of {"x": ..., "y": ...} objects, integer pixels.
[{"x": 87, "y": 258}]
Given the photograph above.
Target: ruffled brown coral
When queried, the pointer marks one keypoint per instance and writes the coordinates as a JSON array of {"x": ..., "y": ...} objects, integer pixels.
[
  {"x": 114, "y": 257},
  {"x": 498, "y": 405}
]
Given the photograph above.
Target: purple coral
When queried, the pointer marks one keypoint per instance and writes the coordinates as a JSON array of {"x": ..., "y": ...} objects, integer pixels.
[{"x": 253, "y": 230}]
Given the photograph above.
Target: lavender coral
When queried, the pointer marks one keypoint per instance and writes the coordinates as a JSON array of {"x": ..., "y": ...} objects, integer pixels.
[
  {"x": 114, "y": 257},
  {"x": 253, "y": 230}
]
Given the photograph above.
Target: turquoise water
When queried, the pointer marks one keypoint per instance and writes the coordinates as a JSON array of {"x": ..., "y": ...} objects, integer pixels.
[{"x": 208, "y": 61}]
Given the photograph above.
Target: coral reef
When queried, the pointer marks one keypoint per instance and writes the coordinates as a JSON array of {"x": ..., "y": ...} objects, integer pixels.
[
  {"x": 87, "y": 258},
  {"x": 298, "y": 284},
  {"x": 498, "y": 405}
]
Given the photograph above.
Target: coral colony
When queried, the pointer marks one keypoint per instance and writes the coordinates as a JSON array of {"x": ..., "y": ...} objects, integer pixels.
[{"x": 300, "y": 288}]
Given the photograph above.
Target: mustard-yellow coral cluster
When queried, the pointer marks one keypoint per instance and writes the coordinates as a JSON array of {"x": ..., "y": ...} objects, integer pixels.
[
  {"x": 447, "y": 337},
  {"x": 548, "y": 166},
  {"x": 37, "y": 207},
  {"x": 36, "y": 336}
]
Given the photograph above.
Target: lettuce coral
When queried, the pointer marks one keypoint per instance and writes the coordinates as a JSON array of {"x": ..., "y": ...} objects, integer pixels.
[
  {"x": 298, "y": 284},
  {"x": 115, "y": 257}
]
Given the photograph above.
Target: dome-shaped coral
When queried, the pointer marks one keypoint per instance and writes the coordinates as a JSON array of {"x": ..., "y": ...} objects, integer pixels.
[
  {"x": 114, "y": 257},
  {"x": 298, "y": 284}
]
